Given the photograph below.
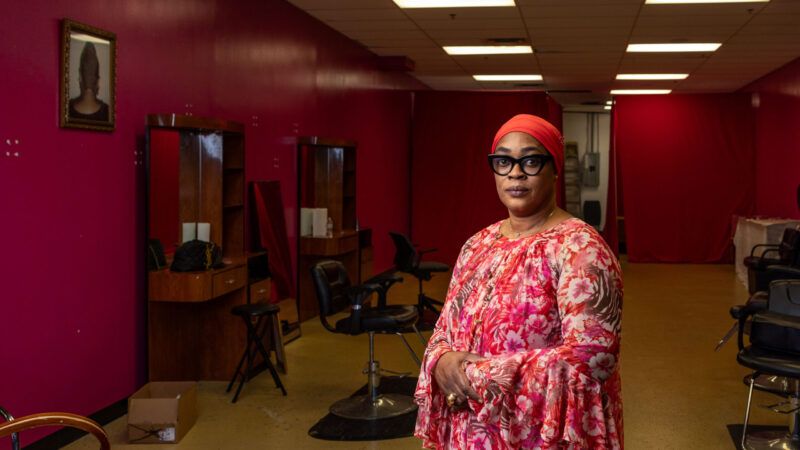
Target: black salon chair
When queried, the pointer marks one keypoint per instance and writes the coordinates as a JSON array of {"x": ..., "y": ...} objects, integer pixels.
[
  {"x": 592, "y": 213},
  {"x": 334, "y": 292},
  {"x": 787, "y": 253},
  {"x": 774, "y": 355},
  {"x": 409, "y": 260}
]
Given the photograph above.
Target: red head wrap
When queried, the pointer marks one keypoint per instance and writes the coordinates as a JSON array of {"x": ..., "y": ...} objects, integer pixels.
[{"x": 540, "y": 129}]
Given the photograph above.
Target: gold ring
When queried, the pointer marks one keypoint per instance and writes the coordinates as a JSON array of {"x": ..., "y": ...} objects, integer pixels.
[{"x": 451, "y": 399}]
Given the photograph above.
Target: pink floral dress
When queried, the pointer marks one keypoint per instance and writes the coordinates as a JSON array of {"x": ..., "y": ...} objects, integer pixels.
[{"x": 545, "y": 310}]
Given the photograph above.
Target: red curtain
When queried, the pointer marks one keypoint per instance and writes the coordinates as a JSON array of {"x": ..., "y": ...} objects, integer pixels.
[
  {"x": 610, "y": 231},
  {"x": 688, "y": 165},
  {"x": 453, "y": 192}
]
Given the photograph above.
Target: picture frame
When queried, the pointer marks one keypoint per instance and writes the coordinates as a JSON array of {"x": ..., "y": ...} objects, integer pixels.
[{"x": 88, "y": 77}]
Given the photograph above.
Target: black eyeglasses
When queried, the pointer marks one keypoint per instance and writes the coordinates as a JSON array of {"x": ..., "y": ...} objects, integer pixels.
[{"x": 530, "y": 165}]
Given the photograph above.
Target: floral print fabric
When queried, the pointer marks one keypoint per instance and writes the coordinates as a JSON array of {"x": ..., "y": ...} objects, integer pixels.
[{"x": 545, "y": 311}]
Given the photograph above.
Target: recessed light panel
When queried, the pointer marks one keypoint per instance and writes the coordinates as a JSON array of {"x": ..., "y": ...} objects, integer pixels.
[
  {"x": 652, "y": 76},
  {"x": 489, "y": 50},
  {"x": 452, "y": 3},
  {"x": 640, "y": 91},
  {"x": 695, "y": 47},
  {"x": 508, "y": 77}
]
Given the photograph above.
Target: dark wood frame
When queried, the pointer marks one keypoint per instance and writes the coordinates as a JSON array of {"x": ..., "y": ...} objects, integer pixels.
[{"x": 68, "y": 27}]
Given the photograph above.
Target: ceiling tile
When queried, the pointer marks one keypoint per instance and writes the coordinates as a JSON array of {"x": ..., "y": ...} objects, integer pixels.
[
  {"x": 472, "y": 24},
  {"x": 595, "y": 9},
  {"x": 347, "y": 26},
  {"x": 721, "y": 9},
  {"x": 343, "y": 4},
  {"x": 457, "y": 14},
  {"x": 358, "y": 14}
]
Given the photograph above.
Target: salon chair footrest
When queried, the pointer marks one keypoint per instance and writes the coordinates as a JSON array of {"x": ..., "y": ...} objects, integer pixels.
[{"x": 362, "y": 407}]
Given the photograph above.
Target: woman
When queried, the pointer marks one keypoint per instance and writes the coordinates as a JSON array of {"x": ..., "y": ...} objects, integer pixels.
[
  {"x": 87, "y": 106},
  {"x": 525, "y": 352}
]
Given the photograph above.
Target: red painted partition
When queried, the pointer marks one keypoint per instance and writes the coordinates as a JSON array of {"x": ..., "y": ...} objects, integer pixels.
[
  {"x": 688, "y": 163},
  {"x": 453, "y": 190},
  {"x": 72, "y": 201},
  {"x": 776, "y": 99}
]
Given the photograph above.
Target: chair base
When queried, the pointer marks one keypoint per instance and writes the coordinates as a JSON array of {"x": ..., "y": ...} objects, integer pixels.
[
  {"x": 767, "y": 440},
  {"x": 362, "y": 407}
]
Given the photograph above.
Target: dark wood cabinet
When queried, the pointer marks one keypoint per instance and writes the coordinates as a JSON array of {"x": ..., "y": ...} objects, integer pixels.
[
  {"x": 196, "y": 175},
  {"x": 327, "y": 180}
]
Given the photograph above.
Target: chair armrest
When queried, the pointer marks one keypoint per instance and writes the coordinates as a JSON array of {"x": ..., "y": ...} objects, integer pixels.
[
  {"x": 752, "y": 306},
  {"x": 770, "y": 247},
  {"x": 743, "y": 312},
  {"x": 56, "y": 419},
  {"x": 783, "y": 272},
  {"x": 385, "y": 282}
]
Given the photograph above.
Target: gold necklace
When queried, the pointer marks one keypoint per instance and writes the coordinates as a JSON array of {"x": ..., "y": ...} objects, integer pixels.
[{"x": 530, "y": 230}]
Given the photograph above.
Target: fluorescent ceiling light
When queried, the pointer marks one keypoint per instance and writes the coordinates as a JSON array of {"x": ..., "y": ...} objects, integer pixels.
[
  {"x": 609, "y": 103},
  {"x": 508, "y": 77},
  {"x": 488, "y": 50},
  {"x": 697, "y": 47},
  {"x": 607, "y": 107},
  {"x": 652, "y": 76},
  {"x": 683, "y": 2},
  {"x": 452, "y": 3},
  {"x": 640, "y": 91}
]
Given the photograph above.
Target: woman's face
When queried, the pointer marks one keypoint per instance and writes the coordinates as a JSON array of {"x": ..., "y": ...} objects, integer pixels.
[{"x": 524, "y": 194}]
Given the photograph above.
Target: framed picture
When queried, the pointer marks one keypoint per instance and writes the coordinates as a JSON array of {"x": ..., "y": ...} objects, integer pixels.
[{"x": 88, "y": 77}]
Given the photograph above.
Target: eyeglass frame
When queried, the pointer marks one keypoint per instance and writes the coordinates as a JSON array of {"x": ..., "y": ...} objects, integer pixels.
[{"x": 545, "y": 158}]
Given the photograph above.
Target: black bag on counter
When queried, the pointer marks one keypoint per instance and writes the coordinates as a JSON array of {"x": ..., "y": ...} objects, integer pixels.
[{"x": 197, "y": 255}]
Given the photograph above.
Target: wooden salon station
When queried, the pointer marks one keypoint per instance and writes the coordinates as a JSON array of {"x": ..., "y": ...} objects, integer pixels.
[
  {"x": 327, "y": 179},
  {"x": 196, "y": 175}
]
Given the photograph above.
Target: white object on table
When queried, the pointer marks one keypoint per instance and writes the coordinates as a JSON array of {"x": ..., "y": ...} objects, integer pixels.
[
  {"x": 204, "y": 231},
  {"x": 306, "y": 218},
  {"x": 751, "y": 232},
  {"x": 189, "y": 231},
  {"x": 320, "y": 222}
]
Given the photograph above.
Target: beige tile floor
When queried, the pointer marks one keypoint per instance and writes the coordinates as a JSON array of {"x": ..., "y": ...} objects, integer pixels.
[{"x": 678, "y": 393}]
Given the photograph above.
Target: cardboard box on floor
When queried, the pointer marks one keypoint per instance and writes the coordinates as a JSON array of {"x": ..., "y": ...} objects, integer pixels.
[{"x": 162, "y": 412}]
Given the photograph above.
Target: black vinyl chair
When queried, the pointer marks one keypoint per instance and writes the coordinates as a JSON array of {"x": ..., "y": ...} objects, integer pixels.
[
  {"x": 786, "y": 253},
  {"x": 409, "y": 260},
  {"x": 334, "y": 292},
  {"x": 773, "y": 355}
]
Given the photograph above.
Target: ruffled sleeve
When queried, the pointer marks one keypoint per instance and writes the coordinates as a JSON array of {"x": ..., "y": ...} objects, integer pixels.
[
  {"x": 558, "y": 396},
  {"x": 432, "y": 407}
]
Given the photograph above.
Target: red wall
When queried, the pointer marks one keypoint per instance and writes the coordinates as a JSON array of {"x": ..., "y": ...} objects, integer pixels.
[
  {"x": 72, "y": 202},
  {"x": 453, "y": 189},
  {"x": 776, "y": 98}
]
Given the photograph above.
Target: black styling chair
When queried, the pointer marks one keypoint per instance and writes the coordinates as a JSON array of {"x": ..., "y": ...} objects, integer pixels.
[
  {"x": 409, "y": 260},
  {"x": 774, "y": 356},
  {"x": 335, "y": 292},
  {"x": 787, "y": 253}
]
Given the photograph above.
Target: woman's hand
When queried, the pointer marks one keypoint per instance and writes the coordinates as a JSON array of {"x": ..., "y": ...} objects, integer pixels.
[{"x": 450, "y": 376}]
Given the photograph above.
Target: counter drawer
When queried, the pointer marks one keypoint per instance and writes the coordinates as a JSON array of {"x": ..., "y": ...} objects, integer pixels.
[
  {"x": 229, "y": 280},
  {"x": 260, "y": 291}
]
